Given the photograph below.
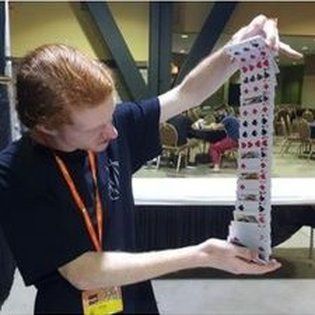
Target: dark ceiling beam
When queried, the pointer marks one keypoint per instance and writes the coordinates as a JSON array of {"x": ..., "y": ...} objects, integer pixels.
[
  {"x": 160, "y": 47},
  {"x": 103, "y": 19},
  {"x": 208, "y": 36},
  {"x": 5, "y": 125}
]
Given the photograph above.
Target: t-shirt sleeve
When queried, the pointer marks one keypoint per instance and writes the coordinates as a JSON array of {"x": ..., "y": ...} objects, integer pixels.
[
  {"x": 42, "y": 234},
  {"x": 138, "y": 126}
]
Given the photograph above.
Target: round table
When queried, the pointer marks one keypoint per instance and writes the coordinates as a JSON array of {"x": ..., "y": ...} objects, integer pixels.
[{"x": 208, "y": 135}]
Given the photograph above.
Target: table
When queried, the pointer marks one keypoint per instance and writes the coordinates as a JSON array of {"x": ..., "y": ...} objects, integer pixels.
[
  {"x": 207, "y": 135},
  {"x": 232, "y": 297},
  {"x": 211, "y": 136},
  {"x": 175, "y": 212},
  {"x": 216, "y": 191}
]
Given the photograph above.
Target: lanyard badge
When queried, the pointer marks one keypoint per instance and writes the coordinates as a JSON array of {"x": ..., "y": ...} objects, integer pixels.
[
  {"x": 103, "y": 301},
  {"x": 100, "y": 301}
]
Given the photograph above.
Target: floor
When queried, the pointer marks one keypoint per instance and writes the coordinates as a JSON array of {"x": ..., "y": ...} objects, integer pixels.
[
  {"x": 286, "y": 165},
  {"x": 290, "y": 291}
]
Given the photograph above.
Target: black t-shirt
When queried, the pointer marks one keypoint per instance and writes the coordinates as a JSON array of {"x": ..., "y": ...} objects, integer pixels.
[
  {"x": 183, "y": 126},
  {"x": 42, "y": 223}
]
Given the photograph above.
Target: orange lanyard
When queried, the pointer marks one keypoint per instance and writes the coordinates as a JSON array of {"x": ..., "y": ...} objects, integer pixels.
[{"x": 96, "y": 238}]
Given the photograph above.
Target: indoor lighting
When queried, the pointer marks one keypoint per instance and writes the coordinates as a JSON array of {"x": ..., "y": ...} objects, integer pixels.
[
  {"x": 174, "y": 68},
  {"x": 184, "y": 36}
]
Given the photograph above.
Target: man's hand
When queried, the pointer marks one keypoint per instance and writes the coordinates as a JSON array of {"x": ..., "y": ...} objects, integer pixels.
[
  {"x": 198, "y": 124},
  {"x": 222, "y": 255},
  {"x": 267, "y": 28}
]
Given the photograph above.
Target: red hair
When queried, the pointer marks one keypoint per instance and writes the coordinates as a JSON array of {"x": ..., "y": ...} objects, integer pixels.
[{"x": 53, "y": 78}]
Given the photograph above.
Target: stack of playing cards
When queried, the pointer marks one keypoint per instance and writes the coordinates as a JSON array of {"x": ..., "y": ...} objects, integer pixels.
[{"x": 252, "y": 215}]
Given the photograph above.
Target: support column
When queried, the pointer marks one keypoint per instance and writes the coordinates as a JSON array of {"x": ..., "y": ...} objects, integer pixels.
[
  {"x": 308, "y": 88},
  {"x": 160, "y": 47},
  {"x": 5, "y": 126}
]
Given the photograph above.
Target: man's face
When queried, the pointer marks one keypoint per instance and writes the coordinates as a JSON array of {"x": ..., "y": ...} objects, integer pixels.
[{"x": 91, "y": 128}]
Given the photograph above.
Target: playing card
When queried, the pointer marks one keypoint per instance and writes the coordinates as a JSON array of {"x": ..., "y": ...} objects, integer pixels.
[
  {"x": 249, "y": 165},
  {"x": 255, "y": 89},
  {"x": 259, "y": 77},
  {"x": 249, "y": 175},
  {"x": 257, "y": 67},
  {"x": 243, "y": 196},
  {"x": 247, "y": 205},
  {"x": 253, "y": 205},
  {"x": 253, "y": 110},
  {"x": 258, "y": 70},
  {"x": 250, "y": 128},
  {"x": 243, "y": 52},
  {"x": 249, "y": 217},
  {"x": 245, "y": 234},
  {"x": 253, "y": 144},
  {"x": 262, "y": 97},
  {"x": 250, "y": 154},
  {"x": 248, "y": 185}
]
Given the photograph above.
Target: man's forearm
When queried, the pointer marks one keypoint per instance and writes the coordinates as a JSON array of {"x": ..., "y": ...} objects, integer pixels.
[
  {"x": 207, "y": 77},
  {"x": 95, "y": 270},
  {"x": 198, "y": 85}
]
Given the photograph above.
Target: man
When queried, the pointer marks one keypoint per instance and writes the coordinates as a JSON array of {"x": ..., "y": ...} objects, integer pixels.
[
  {"x": 182, "y": 123},
  {"x": 231, "y": 125},
  {"x": 65, "y": 187}
]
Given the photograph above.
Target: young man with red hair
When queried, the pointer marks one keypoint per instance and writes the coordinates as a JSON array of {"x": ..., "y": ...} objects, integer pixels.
[{"x": 65, "y": 186}]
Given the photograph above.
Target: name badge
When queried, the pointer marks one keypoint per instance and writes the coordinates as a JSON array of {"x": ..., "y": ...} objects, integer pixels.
[{"x": 102, "y": 301}]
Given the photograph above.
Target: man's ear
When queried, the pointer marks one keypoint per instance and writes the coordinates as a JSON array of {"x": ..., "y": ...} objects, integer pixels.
[{"x": 44, "y": 129}]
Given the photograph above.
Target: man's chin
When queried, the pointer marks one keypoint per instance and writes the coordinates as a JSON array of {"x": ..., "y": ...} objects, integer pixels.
[{"x": 100, "y": 147}]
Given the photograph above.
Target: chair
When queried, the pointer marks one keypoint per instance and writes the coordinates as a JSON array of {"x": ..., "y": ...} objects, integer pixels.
[
  {"x": 169, "y": 140},
  {"x": 288, "y": 123},
  {"x": 279, "y": 128},
  {"x": 281, "y": 113},
  {"x": 308, "y": 116},
  {"x": 230, "y": 155},
  {"x": 290, "y": 137},
  {"x": 311, "y": 143},
  {"x": 305, "y": 136}
]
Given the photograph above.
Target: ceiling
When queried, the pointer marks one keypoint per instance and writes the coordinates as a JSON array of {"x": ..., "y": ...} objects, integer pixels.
[
  {"x": 304, "y": 44},
  {"x": 296, "y": 24}
]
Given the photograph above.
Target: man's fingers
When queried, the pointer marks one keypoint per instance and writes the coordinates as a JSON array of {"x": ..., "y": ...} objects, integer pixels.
[
  {"x": 258, "y": 21},
  {"x": 269, "y": 267},
  {"x": 289, "y": 52},
  {"x": 249, "y": 261},
  {"x": 239, "y": 35},
  {"x": 257, "y": 269},
  {"x": 255, "y": 27},
  {"x": 260, "y": 25},
  {"x": 272, "y": 36}
]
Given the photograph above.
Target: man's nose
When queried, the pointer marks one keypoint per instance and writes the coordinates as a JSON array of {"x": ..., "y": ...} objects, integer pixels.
[{"x": 110, "y": 132}]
